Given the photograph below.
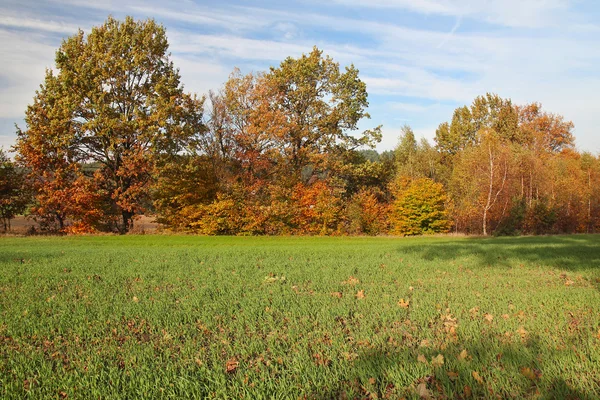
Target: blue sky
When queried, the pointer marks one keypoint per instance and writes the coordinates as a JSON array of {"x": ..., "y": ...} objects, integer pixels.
[{"x": 420, "y": 58}]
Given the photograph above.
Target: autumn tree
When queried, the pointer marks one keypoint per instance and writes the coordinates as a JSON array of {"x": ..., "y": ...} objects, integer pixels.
[
  {"x": 320, "y": 107},
  {"x": 13, "y": 193},
  {"x": 420, "y": 207},
  {"x": 489, "y": 112},
  {"x": 116, "y": 101}
]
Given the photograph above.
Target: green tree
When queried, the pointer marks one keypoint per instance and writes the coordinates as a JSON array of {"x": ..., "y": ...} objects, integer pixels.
[{"x": 116, "y": 100}]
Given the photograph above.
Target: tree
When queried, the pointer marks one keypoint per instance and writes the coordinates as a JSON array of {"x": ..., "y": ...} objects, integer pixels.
[
  {"x": 489, "y": 112},
  {"x": 319, "y": 106},
  {"x": 419, "y": 207},
  {"x": 116, "y": 100},
  {"x": 13, "y": 196},
  {"x": 480, "y": 179}
]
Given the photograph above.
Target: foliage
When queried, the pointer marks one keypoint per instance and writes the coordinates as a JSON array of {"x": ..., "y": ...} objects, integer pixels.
[
  {"x": 13, "y": 192},
  {"x": 116, "y": 100},
  {"x": 419, "y": 208}
]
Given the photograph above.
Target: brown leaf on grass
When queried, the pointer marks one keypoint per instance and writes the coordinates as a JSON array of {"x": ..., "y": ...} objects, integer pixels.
[
  {"x": 505, "y": 316},
  {"x": 477, "y": 377},
  {"x": 231, "y": 365},
  {"x": 372, "y": 381},
  {"x": 474, "y": 311},
  {"x": 521, "y": 331},
  {"x": 452, "y": 375},
  {"x": 423, "y": 392},
  {"x": 437, "y": 361},
  {"x": 360, "y": 294},
  {"x": 135, "y": 299},
  {"x": 424, "y": 343},
  {"x": 463, "y": 355},
  {"x": 467, "y": 391},
  {"x": 529, "y": 373},
  {"x": 337, "y": 294},
  {"x": 488, "y": 317},
  {"x": 404, "y": 303},
  {"x": 568, "y": 282},
  {"x": 352, "y": 281},
  {"x": 421, "y": 358}
]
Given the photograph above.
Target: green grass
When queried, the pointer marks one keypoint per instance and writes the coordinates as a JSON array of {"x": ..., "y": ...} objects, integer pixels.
[{"x": 164, "y": 316}]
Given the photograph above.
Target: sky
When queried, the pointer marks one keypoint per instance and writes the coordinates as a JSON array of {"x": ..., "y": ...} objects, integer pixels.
[{"x": 420, "y": 59}]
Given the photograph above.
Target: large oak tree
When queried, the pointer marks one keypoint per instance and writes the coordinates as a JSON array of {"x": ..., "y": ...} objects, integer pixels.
[{"x": 112, "y": 107}]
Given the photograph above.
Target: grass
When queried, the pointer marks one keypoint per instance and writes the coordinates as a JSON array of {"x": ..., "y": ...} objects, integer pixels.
[{"x": 195, "y": 317}]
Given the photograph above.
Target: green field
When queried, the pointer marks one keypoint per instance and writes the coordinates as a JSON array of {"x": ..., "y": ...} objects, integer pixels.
[{"x": 319, "y": 318}]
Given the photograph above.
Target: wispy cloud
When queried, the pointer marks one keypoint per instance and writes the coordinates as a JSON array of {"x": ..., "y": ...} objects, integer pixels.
[{"x": 530, "y": 50}]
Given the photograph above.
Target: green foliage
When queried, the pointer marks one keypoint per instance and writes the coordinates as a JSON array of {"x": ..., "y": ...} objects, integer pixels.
[{"x": 419, "y": 208}]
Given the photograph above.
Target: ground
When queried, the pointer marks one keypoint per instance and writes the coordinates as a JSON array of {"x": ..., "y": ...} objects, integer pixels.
[{"x": 156, "y": 316}]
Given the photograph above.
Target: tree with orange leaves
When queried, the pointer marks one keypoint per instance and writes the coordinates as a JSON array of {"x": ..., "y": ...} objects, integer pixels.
[{"x": 115, "y": 102}]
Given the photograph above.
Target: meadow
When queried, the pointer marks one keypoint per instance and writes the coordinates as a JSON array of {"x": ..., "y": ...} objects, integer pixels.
[{"x": 155, "y": 316}]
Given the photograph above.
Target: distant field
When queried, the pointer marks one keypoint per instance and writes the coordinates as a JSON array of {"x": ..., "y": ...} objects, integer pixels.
[{"x": 319, "y": 318}]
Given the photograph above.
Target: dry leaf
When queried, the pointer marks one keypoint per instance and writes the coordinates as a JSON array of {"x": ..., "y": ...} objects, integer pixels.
[
  {"x": 423, "y": 392},
  {"x": 488, "y": 317},
  {"x": 337, "y": 294},
  {"x": 463, "y": 355},
  {"x": 467, "y": 391},
  {"x": 452, "y": 375},
  {"x": 372, "y": 381},
  {"x": 404, "y": 303},
  {"x": 421, "y": 358},
  {"x": 424, "y": 343},
  {"x": 521, "y": 331},
  {"x": 232, "y": 365},
  {"x": 505, "y": 316},
  {"x": 477, "y": 377},
  {"x": 360, "y": 294},
  {"x": 351, "y": 281},
  {"x": 437, "y": 361},
  {"x": 135, "y": 299},
  {"x": 528, "y": 373}
]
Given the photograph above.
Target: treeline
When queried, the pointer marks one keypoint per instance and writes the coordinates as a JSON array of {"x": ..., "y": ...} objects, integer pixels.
[{"x": 112, "y": 135}]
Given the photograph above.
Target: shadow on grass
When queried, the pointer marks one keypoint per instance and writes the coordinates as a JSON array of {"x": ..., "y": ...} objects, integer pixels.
[
  {"x": 572, "y": 253},
  {"x": 515, "y": 370}
]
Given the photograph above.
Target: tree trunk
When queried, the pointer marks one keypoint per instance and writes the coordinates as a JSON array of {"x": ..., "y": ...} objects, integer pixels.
[{"x": 127, "y": 221}]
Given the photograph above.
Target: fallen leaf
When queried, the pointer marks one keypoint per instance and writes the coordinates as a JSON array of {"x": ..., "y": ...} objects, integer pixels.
[
  {"x": 231, "y": 366},
  {"x": 477, "y": 377},
  {"x": 423, "y": 392},
  {"x": 135, "y": 299},
  {"x": 521, "y": 331},
  {"x": 488, "y": 317},
  {"x": 569, "y": 282},
  {"x": 360, "y": 294},
  {"x": 505, "y": 316},
  {"x": 337, "y": 294},
  {"x": 452, "y": 375},
  {"x": 421, "y": 358},
  {"x": 467, "y": 391},
  {"x": 351, "y": 281},
  {"x": 372, "y": 381},
  {"x": 463, "y": 355},
  {"x": 528, "y": 373},
  {"x": 424, "y": 343},
  {"x": 404, "y": 303},
  {"x": 437, "y": 361}
]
